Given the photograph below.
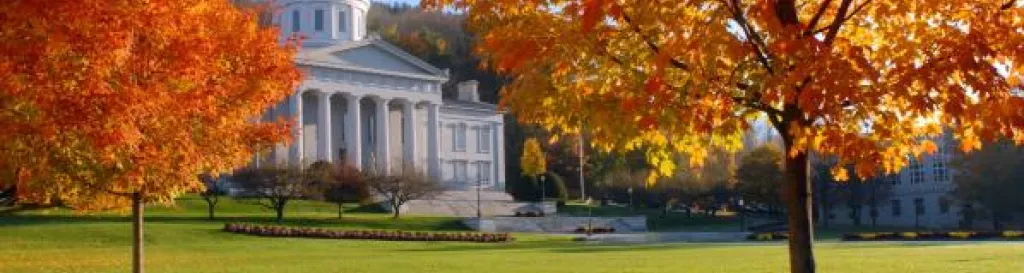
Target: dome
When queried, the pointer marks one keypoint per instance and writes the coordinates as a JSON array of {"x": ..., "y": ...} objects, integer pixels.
[{"x": 323, "y": 22}]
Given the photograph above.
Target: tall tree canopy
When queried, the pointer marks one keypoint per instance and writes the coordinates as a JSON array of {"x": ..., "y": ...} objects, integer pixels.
[
  {"x": 861, "y": 80},
  {"x": 100, "y": 99}
]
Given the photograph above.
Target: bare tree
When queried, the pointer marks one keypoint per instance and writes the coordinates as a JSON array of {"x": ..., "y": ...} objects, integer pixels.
[
  {"x": 398, "y": 189},
  {"x": 215, "y": 188},
  {"x": 275, "y": 185},
  {"x": 346, "y": 184}
]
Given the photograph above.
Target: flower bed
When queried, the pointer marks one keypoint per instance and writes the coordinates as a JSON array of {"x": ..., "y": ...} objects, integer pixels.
[
  {"x": 929, "y": 236},
  {"x": 595, "y": 230},
  {"x": 768, "y": 236},
  {"x": 280, "y": 231}
]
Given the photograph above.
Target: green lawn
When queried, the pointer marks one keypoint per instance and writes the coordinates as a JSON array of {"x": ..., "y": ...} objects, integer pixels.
[{"x": 179, "y": 240}]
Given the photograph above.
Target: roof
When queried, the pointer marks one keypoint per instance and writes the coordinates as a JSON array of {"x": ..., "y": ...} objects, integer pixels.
[
  {"x": 371, "y": 55},
  {"x": 469, "y": 105}
]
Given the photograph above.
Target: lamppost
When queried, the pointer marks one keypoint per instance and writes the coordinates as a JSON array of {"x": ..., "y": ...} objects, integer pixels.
[
  {"x": 478, "y": 214},
  {"x": 590, "y": 217},
  {"x": 543, "y": 189},
  {"x": 629, "y": 191},
  {"x": 743, "y": 219}
]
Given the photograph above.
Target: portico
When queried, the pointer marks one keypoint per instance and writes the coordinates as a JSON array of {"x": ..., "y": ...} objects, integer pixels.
[{"x": 368, "y": 104}]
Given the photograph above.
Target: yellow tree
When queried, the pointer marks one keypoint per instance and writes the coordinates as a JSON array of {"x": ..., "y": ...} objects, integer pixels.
[
  {"x": 533, "y": 161},
  {"x": 110, "y": 104},
  {"x": 863, "y": 80}
]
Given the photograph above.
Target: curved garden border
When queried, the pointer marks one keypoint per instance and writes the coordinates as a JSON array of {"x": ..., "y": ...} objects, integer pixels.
[{"x": 385, "y": 235}]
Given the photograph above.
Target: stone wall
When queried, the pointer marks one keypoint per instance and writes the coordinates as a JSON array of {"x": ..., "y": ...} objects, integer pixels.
[{"x": 557, "y": 224}]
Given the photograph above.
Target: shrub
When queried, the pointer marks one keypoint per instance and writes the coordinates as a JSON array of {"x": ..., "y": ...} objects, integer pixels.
[
  {"x": 768, "y": 236},
  {"x": 908, "y": 235},
  {"x": 961, "y": 234},
  {"x": 279, "y": 231},
  {"x": 1013, "y": 234},
  {"x": 595, "y": 230}
]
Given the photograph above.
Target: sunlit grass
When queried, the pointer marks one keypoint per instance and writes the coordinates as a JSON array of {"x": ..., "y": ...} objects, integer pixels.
[{"x": 181, "y": 240}]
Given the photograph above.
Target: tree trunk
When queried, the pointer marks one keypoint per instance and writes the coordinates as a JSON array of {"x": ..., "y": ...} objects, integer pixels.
[
  {"x": 209, "y": 208},
  {"x": 279, "y": 207},
  {"x": 137, "y": 233},
  {"x": 395, "y": 211},
  {"x": 801, "y": 232},
  {"x": 340, "y": 211}
]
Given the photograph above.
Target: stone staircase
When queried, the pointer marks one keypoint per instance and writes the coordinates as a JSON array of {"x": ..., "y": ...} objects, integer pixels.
[{"x": 464, "y": 204}]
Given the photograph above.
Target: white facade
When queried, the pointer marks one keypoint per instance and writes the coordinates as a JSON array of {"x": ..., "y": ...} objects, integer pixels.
[
  {"x": 369, "y": 104},
  {"x": 921, "y": 196}
]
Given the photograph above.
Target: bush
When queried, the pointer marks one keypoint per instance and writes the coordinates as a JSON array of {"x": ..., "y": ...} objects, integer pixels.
[
  {"x": 768, "y": 236},
  {"x": 595, "y": 230},
  {"x": 949, "y": 235},
  {"x": 386, "y": 235}
]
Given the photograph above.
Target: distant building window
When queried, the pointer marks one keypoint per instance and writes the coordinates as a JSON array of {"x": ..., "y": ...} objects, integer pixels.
[
  {"x": 894, "y": 179},
  {"x": 318, "y": 20},
  {"x": 943, "y": 205},
  {"x": 916, "y": 172},
  {"x": 461, "y": 174},
  {"x": 459, "y": 137},
  {"x": 484, "y": 171},
  {"x": 485, "y": 140},
  {"x": 342, "y": 26},
  {"x": 896, "y": 209},
  {"x": 919, "y": 206},
  {"x": 939, "y": 171},
  {"x": 296, "y": 21}
]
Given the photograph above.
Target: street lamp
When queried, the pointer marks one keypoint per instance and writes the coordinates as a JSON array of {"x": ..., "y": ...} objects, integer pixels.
[
  {"x": 590, "y": 216},
  {"x": 629, "y": 191},
  {"x": 543, "y": 189},
  {"x": 743, "y": 219},
  {"x": 478, "y": 214}
]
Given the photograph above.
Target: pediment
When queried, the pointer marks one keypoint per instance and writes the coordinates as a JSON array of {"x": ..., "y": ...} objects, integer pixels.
[{"x": 371, "y": 55}]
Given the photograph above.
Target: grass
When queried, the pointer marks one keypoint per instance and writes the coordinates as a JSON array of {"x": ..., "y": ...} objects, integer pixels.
[{"x": 179, "y": 239}]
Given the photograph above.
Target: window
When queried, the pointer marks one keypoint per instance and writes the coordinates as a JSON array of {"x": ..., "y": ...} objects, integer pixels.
[
  {"x": 485, "y": 140},
  {"x": 894, "y": 179},
  {"x": 459, "y": 137},
  {"x": 318, "y": 20},
  {"x": 341, "y": 22},
  {"x": 943, "y": 205},
  {"x": 896, "y": 209},
  {"x": 296, "y": 27},
  {"x": 484, "y": 171},
  {"x": 916, "y": 173},
  {"x": 939, "y": 171},
  {"x": 461, "y": 174},
  {"x": 919, "y": 206}
]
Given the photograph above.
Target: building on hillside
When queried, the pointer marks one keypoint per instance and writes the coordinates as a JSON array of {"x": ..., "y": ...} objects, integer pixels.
[
  {"x": 920, "y": 195},
  {"x": 369, "y": 104}
]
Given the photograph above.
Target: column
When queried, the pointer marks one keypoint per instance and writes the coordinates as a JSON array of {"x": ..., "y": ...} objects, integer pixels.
[
  {"x": 433, "y": 141},
  {"x": 382, "y": 136},
  {"x": 409, "y": 132},
  {"x": 353, "y": 132},
  {"x": 295, "y": 108},
  {"x": 323, "y": 127},
  {"x": 498, "y": 149}
]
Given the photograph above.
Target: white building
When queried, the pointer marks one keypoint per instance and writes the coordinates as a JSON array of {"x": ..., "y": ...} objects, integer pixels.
[
  {"x": 921, "y": 196},
  {"x": 371, "y": 105}
]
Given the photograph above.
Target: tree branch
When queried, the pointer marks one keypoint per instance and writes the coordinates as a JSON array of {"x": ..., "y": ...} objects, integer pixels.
[
  {"x": 760, "y": 48},
  {"x": 817, "y": 16},
  {"x": 838, "y": 21},
  {"x": 650, "y": 44},
  {"x": 1008, "y": 5}
]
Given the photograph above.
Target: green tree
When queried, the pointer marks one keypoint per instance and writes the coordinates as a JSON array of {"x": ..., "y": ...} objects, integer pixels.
[
  {"x": 759, "y": 177},
  {"x": 993, "y": 178}
]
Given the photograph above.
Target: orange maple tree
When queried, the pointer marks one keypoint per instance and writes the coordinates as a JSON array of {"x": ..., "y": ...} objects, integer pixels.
[
  {"x": 100, "y": 99},
  {"x": 867, "y": 81}
]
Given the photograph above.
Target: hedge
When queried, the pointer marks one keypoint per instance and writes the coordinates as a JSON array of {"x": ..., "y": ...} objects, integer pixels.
[
  {"x": 928, "y": 236},
  {"x": 386, "y": 235}
]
